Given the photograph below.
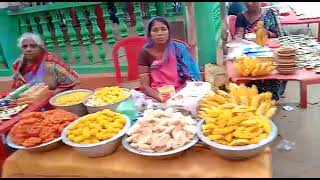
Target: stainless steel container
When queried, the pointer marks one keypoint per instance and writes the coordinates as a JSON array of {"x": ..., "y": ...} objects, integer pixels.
[
  {"x": 161, "y": 155},
  {"x": 99, "y": 149},
  {"x": 78, "y": 109},
  {"x": 41, "y": 148},
  {"x": 112, "y": 107},
  {"x": 238, "y": 152}
]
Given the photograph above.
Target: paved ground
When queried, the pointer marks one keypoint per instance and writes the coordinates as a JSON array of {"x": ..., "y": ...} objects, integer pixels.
[{"x": 298, "y": 126}]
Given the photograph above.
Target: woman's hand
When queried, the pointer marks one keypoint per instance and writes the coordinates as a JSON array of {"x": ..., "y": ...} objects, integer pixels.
[
  {"x": 238, "y": 36},
  {"x": 50, "y": 78},
  {"x": 152, "y": 93},
  {"x": 271, "y": 34}
]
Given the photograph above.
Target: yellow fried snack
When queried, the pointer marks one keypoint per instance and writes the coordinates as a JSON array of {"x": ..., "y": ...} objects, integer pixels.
[
  {"x": 96, "y": 127},
  {"x": 108, "y": 96},
  {"x": 251, "y": 66},
  {"x": 71, "y": 98},
  {"x": 236, "y": 128}
]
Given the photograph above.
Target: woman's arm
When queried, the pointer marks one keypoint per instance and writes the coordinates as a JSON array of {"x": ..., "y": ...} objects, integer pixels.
[
  {"x": 272, "y": 34},
  {"x": 145, "y": 83},
  {"x": 61, "y": 75},
  {"x": 240, "y": 26}
]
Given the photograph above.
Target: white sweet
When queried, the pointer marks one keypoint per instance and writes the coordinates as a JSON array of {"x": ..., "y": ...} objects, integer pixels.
[{"x": 161, "y": 130}]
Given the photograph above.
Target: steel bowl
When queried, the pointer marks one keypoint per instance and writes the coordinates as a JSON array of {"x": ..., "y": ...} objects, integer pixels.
[
  {"x": 99, "y": 149},
  {"x": 40, "y": 148},
  {"x": 160, "y": 155},
  {"x": 239, "y": 152},
  {"x": 78, "y": 109},
  {"x": 112, "y": 107}
]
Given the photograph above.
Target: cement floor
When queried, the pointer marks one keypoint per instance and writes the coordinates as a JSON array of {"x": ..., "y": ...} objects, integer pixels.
[{"x": 298, "y": 126}]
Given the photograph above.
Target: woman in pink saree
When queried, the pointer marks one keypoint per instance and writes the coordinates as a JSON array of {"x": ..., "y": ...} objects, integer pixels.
[{"x": 164, "y": 62}]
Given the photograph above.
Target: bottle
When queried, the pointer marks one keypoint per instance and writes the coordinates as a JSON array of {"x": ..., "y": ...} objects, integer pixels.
[{"x": 261, "y": 34}]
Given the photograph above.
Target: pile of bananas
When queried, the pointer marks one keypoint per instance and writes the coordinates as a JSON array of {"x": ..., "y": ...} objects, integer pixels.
[
  {"x": 71, "y": 98},
  {"x": 232, "y": 128},
  {"x": 96, "y": 127},
  {"x": 107, "y": 96},
  {"x": 251, "y": 66},
  {"x": 239, "y": 99}
]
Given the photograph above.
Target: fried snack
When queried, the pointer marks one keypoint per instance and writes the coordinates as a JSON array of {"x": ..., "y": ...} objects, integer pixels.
[
  {"x": 240, "y": 98},
  {"x": 36, "y": 128}
]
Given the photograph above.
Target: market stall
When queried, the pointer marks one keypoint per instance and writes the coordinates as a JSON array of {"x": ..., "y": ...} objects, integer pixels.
[
  {"x": 304, "y": 76},
  {"x": 117, "y": 132},
  {"x": 11, "y": 115},
  {"x": 300, "y": 63},
  {"x": 290, "y": 17}
]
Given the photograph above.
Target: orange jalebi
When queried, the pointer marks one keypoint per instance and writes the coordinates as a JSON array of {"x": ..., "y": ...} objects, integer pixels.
[
  {"x": 32, "y": 141},
  {"x": 36, "y": 128}
]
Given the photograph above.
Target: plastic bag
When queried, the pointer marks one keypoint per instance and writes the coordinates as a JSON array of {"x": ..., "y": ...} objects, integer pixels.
[
  {"x": 128, "y": 108},
  {"x": 141, "y": 102}
]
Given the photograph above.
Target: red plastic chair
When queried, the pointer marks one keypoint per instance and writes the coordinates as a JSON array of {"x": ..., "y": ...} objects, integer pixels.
[
  {"x": 231, "y": 22},
  {"x": 132, "y": 46}
]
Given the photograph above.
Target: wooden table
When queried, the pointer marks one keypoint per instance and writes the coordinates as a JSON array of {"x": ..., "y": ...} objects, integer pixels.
[
  {"x": 6, "y": 125},
  {"x": 292, "y": 18},
  {"x": 198, "y": 161},
  {"x": 305, "y": 77}
]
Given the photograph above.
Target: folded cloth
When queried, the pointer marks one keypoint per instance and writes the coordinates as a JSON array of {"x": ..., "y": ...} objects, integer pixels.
[{"x": 4, "y": 94}]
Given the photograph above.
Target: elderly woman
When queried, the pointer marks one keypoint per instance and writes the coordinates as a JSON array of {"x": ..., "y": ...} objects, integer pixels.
[
  {"x": 37, "y": 65},
  {"x": 163, "y": 61},
  {"x": 247, "y": 23}
]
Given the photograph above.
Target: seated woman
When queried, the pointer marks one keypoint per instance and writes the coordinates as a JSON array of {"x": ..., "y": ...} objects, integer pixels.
[
  {"x": 247, "y": 23},
  {"x": 37, "y": 65},
  {"x": 163, "y": 61}
]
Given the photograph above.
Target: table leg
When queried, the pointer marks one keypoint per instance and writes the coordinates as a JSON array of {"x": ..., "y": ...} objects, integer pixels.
[
  {"x": 319, "y": 32},
  {"x": 3, "y": 152},
  {"x": 303, "y": 95}
]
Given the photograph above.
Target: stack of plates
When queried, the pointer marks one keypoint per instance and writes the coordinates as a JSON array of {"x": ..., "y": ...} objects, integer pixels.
[{"x": 285, "y": 58}]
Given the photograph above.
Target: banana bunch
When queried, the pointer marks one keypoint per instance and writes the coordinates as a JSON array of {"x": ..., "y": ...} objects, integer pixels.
[
  {"x": 251, "y": 66},
  {"x": 240, "y": 99},
  {"x": 228, "y": 127}
]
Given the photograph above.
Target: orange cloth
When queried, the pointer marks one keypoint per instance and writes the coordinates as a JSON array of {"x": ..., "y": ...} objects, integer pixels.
[{"x": 198, "y": 161}]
